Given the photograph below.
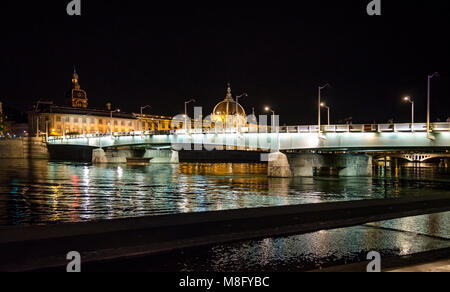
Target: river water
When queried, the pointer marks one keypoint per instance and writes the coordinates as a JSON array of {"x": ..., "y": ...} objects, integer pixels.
[{"x": 43, "y": 192}]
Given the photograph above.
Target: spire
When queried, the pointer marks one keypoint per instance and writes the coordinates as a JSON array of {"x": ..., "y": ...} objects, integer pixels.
[
  {"x": 75, "y": 78},
  {"x": 229, "y": 95},
  {"x": 79, "y": 96}
]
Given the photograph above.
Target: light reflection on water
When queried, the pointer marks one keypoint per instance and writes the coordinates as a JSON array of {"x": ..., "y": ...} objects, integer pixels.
[
  {"x": 308, "y": 251},
  {"x": 41, "y": 192}
]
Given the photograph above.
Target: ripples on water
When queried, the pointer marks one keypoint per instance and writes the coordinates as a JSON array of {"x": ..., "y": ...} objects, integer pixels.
[
  {"x": 41, "y": 192},
  {"x": 312, "y": 251}
]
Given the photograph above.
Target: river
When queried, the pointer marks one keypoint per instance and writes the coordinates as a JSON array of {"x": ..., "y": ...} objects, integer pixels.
[{"x": 43, "y": 192}]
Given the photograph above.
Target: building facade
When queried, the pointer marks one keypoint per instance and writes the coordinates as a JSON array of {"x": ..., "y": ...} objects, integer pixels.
[{"x": 78, "y": 119}]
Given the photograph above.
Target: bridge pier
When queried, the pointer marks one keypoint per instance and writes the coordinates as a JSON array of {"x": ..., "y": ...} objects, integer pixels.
[
  {"x": 279, "y": 165},
  {"x": 100, "y": 156},
  {"x": 165, "y": 156},
  {"x": 309, "y": 165},
  {"x": 112, "y": 156}
]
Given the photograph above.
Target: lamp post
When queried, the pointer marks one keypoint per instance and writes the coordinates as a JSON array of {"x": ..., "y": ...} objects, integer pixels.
[
  {"x": 268, "y": 109},
  {"x": 324, "y": 105},
  {"x": 319, "y": 104},
  {"x": 409, "y": 99},
  {"x": 429, "y": 136},
  {"x": 185, "y": 113},
  {"x": 142, "y": 116},
  {"x": 111, "y": 121},
  {"x": 237, "y": 109}
]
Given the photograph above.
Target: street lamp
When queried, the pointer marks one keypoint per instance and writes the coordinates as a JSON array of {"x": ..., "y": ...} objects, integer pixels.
[
  {"x": 142, "y": 116},
  {"x": 111, "y": 121},
  {"x": 185, "y": 112},
  {"x": 268, "y": 109},
  {"x": 237, "y": 108},
  {"x": 320, "y": 102},
  {"x": 324, "y": 105},
  {"x": 429, "y": 136},
  {"x": 237, "y": 101},
  {"x": 409, "y": 99}
]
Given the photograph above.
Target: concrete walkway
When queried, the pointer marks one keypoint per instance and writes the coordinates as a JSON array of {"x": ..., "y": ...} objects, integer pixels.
[
  {"x": 436, "y": 267},
  {"x": 429, "y": 261}
]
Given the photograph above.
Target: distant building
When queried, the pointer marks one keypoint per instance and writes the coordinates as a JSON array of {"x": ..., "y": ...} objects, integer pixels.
[
  {"x": 228, "y": 112},
  {"x": 54, "y": 120}
]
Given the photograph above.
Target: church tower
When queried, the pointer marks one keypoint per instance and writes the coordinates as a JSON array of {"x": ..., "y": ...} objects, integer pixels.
[{"x": 79, "y": 96}]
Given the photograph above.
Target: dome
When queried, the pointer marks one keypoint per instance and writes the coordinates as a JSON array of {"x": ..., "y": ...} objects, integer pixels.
[{"x": 228, "y": 107}]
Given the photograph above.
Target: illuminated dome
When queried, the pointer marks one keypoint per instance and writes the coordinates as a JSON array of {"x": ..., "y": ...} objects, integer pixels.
[
  {"x": 228, "y": 107},
  {"x": 228, "y": 112}
]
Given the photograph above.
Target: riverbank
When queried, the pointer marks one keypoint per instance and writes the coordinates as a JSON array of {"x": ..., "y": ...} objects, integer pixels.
[
  {"x": 23, "y": 148},
  {"x": 41, "y": 247},
  {"x": 430, "y": 261}
]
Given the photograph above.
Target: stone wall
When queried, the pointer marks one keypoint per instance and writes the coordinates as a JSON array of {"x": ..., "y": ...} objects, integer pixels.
[
  {"x": 23, "y": 148},
  {"x": 309, "y": 165}
]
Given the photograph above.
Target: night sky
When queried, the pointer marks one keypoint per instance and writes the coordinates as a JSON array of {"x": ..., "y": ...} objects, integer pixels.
[{"x": 133, "y": 53}]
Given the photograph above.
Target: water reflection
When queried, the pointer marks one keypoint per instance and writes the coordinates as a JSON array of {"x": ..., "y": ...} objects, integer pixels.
[
  {"x": 42, "y": 192},
  {"x": 304, "y": 252}
]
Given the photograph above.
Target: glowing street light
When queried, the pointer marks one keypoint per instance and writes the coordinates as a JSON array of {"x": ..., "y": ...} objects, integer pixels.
[
  {"x": 237, "y": 109},
  {"x": 111, "y": 121},
  {"x": 429, "y": 136},
  {"x": 185, "y": 112},
  {"x": 409, "y": 99},
  {"x": 320, "y": 102},
  {"x": 324, "y": 105},
  {"x": 268, "y": 109}
]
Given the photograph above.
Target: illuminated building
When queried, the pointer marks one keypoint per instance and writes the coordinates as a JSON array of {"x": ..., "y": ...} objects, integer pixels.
[
  {"x": 229, "y": 113},
  {"x": 76, "y": 119}
]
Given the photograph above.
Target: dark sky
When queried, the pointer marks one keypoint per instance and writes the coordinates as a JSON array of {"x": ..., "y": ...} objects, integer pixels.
[{"x": 134, "y": 53}]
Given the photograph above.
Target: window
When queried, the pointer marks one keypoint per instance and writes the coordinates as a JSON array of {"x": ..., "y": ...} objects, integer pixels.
[
  {"x": 68, "y": 119},
  {"x": 123, "y": 123},
  {"x": 84, "y": 120},
  {"x": 75, "y": 120},
  {"x": 58, "y": 119},
  {"x": 115, "y": 123},
  {"x": 100, "y": 122}
]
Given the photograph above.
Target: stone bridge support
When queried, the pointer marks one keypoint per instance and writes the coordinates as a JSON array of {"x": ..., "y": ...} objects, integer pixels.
[
  {"x": 106, "y": 156},
  {"x": 165, "y": 156},
  {"x": 309, "y": 165}
]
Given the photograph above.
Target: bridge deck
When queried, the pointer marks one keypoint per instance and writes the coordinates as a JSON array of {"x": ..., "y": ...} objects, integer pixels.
[{"x": 338, "y": 137}]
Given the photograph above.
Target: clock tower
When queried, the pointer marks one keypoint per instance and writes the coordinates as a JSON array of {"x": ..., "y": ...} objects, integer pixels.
[{"x": 79, "y": 96}]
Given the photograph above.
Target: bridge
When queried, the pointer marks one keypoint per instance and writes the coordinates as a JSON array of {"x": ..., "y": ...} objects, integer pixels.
[
  {"x": 305, "y": 149},
  {"x": 333, "y": 138}
]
